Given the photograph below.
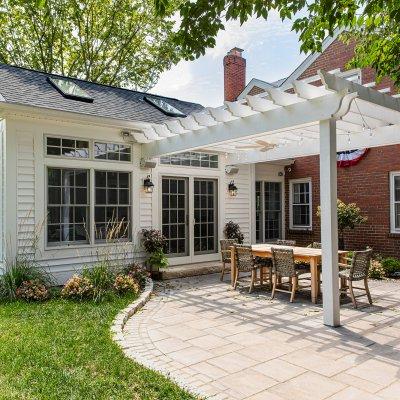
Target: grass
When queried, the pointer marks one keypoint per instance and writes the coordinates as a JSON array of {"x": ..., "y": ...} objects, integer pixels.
[{"x": 63, "y": 350}]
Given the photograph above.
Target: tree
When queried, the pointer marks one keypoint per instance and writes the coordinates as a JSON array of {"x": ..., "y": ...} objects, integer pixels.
[
  {"x": 349, "y": 216},
  {"x": 115, "y": 42},
  {"x": 375, "y": 24}
]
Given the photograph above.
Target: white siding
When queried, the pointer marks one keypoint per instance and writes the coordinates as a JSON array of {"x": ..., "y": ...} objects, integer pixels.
[
  {"x": 2, "y": 191},
  {"x": 238, "y": 209},
  {"x": 146, "y": 219},
  {"x": 25, "y": 194}
]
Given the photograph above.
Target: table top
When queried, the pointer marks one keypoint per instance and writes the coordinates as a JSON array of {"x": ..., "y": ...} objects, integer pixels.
[{"x": 297, "y": 251}]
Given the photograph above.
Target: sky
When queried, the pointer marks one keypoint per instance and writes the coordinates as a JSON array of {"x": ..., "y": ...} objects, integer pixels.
[{"x": 272, "y": 52}]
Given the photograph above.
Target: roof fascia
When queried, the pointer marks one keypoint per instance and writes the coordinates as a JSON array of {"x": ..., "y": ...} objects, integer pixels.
[{"x": 254, "y": 82}]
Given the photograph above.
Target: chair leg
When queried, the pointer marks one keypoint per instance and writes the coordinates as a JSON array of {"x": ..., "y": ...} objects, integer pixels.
[
  {"x": 293, "y": 285},
  {"x": 274, "y": 286},
  {"x": 253, "y": 278},
  {"x": 353, "y": 298},
  {"x": 236, "y": 280},
  {"x": 270, "y": 278},
  {"x": 222, "y": 272},
  {"x": 367, "y": 290}
]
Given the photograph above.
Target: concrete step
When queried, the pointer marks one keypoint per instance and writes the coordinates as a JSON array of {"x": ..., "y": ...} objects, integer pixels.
[{"x": 184, "y": 271}]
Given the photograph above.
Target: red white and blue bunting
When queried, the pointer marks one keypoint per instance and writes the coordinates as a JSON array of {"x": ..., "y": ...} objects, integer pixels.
[{"x": 349, "y": 158}]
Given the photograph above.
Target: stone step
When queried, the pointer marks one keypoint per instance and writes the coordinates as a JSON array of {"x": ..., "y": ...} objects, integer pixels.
[{"x": 184, "y": 271}]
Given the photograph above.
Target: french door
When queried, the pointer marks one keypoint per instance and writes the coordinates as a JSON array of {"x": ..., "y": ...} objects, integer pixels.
[
  {"x": 268, "y": 211},
  {"x": 189, "y": 216}
]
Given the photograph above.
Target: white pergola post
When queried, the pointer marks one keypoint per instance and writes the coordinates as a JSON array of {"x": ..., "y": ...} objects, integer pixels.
[{"x": 329, "y": 232}]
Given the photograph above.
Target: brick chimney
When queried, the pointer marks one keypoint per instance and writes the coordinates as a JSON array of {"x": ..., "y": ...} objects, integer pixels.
[{"x": 234, "y": 74}]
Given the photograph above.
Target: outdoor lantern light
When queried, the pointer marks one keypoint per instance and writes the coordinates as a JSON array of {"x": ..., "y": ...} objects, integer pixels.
[
  {"x": 232, "y": 189},
  {"x": 148, "y": 185}
]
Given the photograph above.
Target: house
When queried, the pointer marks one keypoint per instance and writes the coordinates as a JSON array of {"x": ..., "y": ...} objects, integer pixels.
[
  {"x": 370, "y": 177},
  {"x": 78, "y": 158}
]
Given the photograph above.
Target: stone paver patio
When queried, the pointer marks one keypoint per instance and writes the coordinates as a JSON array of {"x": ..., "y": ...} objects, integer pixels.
[{"x": 223, "y": 344}]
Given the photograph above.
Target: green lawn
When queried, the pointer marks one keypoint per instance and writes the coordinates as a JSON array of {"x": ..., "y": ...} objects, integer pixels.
[{"x": 63, "y": 350}]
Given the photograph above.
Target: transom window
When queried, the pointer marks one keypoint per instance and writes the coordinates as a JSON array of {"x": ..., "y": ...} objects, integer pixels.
[
  {"x": 112, "y": 151},
  {"x": 191, "y": 159},
  {"x": 66, "y": 147},
  {"x": 395, "y": 201},
  {"x": 67, "y": 205},
  {"x": 112, "y": 205},
  {"x": 300, "y": 204}
]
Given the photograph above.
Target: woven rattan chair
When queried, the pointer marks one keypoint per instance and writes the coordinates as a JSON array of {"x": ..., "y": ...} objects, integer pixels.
[
  {"x": 245, "y": 263},
  {"x": 226, "y": 253},
  {"x": 356, "y": 270},
  {"x": 316, "y": 245},
  {"x": 284, "y": 242},
  {"x": 285, "y": 267}
]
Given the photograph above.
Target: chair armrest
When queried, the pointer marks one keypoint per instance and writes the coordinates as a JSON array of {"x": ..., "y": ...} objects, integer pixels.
[{"x": 345, "y": 266}]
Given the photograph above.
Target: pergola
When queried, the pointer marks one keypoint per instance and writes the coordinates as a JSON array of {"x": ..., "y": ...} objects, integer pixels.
[{"x": 339, "y": 115}]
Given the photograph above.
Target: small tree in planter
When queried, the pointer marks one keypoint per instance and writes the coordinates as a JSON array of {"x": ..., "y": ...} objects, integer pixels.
[
  {"x": 154, "y": 243},
  {"x": 232, "y": 231},
  {"x": 349, "y": 216}
]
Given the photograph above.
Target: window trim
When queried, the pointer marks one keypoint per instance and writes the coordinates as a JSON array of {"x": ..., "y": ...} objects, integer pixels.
[
  {"x": 393, "y": 228},
  {"x": 93, "y": 154},
  {"x": 291, "y": 183}
]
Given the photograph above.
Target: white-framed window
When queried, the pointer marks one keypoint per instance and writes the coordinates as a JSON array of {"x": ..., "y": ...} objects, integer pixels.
[
  {"x": 395, "y": 202},
  {"x": 192, "y": 159},
  {"x": 112, "y": 151},
  {"x": 300, "y": 205},
  {"x": 67, "y": 147}
]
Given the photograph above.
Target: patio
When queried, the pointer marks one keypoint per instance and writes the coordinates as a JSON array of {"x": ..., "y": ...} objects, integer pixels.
[{"x": 226, "y": 344}]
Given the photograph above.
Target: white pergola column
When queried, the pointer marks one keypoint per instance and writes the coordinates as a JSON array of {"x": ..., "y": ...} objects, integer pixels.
[{"x": 329, "y": 232}]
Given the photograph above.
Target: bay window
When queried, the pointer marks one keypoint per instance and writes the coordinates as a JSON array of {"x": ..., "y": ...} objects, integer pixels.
[{"x": 300, "y": 204}]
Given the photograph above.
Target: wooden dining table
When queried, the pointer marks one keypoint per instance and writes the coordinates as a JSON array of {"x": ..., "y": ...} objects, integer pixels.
[{"x": 305, "y": 254}]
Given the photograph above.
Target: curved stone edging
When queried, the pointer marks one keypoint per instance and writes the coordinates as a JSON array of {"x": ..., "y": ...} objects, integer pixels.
[{"x": 120, "y": 320}]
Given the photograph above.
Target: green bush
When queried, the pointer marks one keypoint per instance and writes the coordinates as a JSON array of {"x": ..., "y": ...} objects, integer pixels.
[
  {"x": 391, "y": 265},
  {"x": 232, "y": 231},
  {"x": 101, "y": 277}
]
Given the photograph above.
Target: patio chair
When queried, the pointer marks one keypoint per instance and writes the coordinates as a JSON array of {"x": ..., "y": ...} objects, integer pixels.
[
  {"x": 285, "y": 267},
  {"x": 245, "y": 263},
  {"x": 315, "y": 245},
  {"x": 284, "y": 242},
  {"x": 357, "y": 270},
  {"x": 226, "y": 253}
]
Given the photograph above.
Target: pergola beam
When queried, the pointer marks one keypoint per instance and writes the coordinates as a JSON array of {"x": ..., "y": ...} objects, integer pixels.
[{"x": 249, "y": 127}]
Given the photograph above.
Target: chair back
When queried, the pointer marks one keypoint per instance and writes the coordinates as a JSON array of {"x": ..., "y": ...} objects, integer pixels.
[
  {"x": 226, "y": 249},
  {"x": 283, "y": 262},
  {"x": 316, "y": 245},
  {"x": 283, "y": 242},
  {"x": 360, "y": 264},
  {"x": 244, "y": 258}
]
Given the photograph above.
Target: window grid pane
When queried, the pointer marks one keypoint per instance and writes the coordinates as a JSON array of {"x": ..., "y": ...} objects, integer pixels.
[
  {"x": 112, "y": 151},
  {"x": 112, "y": 205},
  {"x": 67, "y": 205},
  {"x": 301, "y": 204},
  {"x": 65, "y": 147},
  {"x": 193, "y": 159},
  {"x": 396, "y": 197}
]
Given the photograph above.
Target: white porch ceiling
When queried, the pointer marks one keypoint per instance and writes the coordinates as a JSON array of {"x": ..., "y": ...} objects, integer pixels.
[{"x": 287, "y": 121}]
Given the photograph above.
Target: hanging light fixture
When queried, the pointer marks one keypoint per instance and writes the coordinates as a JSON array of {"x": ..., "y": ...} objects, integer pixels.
[
  {"x": 148, "y": 185},
  {"x": 232, "y": 189}
]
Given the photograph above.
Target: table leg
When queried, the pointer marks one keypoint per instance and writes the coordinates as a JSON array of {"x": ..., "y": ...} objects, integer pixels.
[
  {"x": 261, "y": 276},
  {"x": 233, "y": 266},
  {"x": 314, "y": 279}
]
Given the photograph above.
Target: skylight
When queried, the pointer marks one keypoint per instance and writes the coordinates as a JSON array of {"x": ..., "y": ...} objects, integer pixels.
[
  {"x": 165, "y": 107},
  {"x": 70, "y": 90}
]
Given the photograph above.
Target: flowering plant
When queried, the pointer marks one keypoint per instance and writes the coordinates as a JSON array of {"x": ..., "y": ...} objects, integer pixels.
[
  {"x": 78, "y": 288},
  {"x": 125, "y": 283},
  {"x": 153, "y": 240},
  {"x": 32, "y": 290}
]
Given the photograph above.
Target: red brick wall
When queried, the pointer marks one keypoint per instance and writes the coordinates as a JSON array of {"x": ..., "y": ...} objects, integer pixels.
[
  {"x": 366, "y": 184},
  {"x": 234, "y": 75}
]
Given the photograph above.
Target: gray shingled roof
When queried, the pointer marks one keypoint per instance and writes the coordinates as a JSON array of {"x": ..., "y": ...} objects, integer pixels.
[{"x": 31, "y": 88}]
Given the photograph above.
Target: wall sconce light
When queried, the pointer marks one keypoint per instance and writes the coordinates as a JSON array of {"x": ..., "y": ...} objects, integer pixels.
[
  {"x": 232, "y": 189},
  {"x": 148, "y": 185}
]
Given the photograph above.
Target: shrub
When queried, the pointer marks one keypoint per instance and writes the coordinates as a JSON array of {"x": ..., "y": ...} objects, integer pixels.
[
  {"x": 77, "y": 288},
  {"x": 232, "y": 231},
  {"x": 391, "y": 265},
  {"x": 376, "y": 270},
  {"x": 126, "y": 283},
  {"x": 101, "y": 277},
  {"x": 136, "y": 271},
  {"x": 32, "y": 291},
  {"x": 153, "y": 240},
  {"x": 18, "y": 272}
]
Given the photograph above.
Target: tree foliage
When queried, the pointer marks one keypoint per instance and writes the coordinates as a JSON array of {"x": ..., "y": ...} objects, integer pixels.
[
  {"x": 374, "y": 23},
  {"x": 116, "y": 42}
]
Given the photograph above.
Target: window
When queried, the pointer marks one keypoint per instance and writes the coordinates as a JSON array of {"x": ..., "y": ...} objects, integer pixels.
[
  {"x": 112, "y": 151},
  {"x": 164, "y": 106},
  {"x": 352, "y": 75},
  {"x": 74, "y": 148},
  {"x": 70, "y": 89},
  {"x": 300, "y": 204},
  {"x": 67, "y": 205},
  {"x": 192, "y": 159},
  {"x": 395, "y": 202},
  {"x": 112, "y": 205}
]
